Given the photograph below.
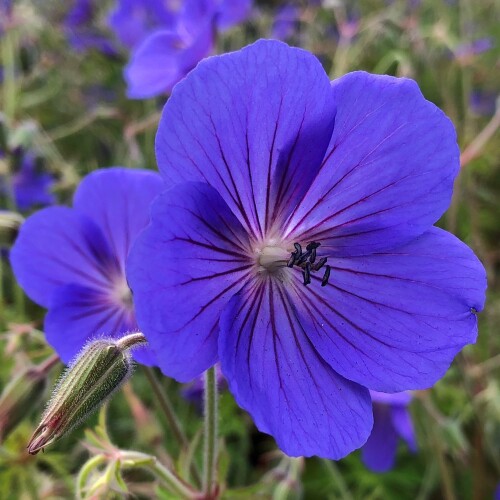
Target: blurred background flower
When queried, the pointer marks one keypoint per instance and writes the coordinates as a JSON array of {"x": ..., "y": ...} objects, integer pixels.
[
  {"x": 391, "y": 422},
  {"x": 30, "y": 184},
  {"x": 167, "y": 55}
]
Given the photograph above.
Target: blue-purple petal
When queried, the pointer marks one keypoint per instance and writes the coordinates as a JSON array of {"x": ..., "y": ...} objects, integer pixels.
[
  {"x": 163, "y": 59},
  {"x": 56, "y": 246},
  {"x": 402, "y": 422},
  {"x": 395, "y": 320},
  {"x": 379, "y": 452},
  {"x": 396, "y": 398},
  {"x": 118, "y": 201},
  {"x": 277, "y": 375},
  {"x": 133, "y": 20},
  {"x": 183, "y": 269},
  {"x": 388, "y": 173},
  {"x": 77, "y": 314},
  {"x": 254, "y": 124}
]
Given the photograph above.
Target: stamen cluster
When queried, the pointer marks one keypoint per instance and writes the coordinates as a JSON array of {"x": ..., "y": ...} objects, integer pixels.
[{"x": 307, "y": 262}]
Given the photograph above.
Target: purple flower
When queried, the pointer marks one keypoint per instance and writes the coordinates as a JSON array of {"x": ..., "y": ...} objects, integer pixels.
[
  {"x": 133, "y": 20},
  {"x": 166, "y": 56},
  {"x": 6, "y": 8},
  {"x": 71, "y": 260},
  {"x": 272, "y": 170},
  {"x": 483, "y": 102},
  {"x": 80, "y": 30},
  {"x": 285, "y": 22},
  {"x": 391, "y": 421},
  {"x": 465, "y": 52},
  {"x": 31, "y": 185},
  {"x": 228, "y": 13}
]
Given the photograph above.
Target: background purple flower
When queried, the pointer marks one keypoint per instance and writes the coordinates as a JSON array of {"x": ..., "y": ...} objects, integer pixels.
[
  {"x": 32, "y": 186},
  {"x": 263, "y": 152},
  {"x": 71, "y": 260},
  {"x": 285, "y": 22},
  {"x": 467, "y": 50},
  {"x": 483, "y": 102},
  {"x": 230, "y": 12},
  {"x": 391, "y": 421},
  {"x": 166, "y": 56},
  {"x": 6, "y": 7},
  {"x": 133, "y": 20},
  {"x": 81, "y": 31},
  {"x": 29, "y": 185}
]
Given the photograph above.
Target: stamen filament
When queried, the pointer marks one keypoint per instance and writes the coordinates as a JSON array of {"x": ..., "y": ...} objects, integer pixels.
[
  {"x": 326, "y": 276},
  {"x": 307, "y": 274},
  {"x": 306, "y": 261}
]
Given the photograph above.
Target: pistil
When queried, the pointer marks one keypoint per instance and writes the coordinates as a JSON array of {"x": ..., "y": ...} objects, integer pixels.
[{"x": 273, "y": 258}]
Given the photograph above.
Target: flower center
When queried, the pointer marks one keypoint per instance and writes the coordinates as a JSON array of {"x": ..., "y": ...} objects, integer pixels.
[
  {"x": 122, "y": 294},
  {"x": 274, "y": 260}
]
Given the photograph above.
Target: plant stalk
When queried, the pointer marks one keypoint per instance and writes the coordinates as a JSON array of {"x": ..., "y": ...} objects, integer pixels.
[{"x": 210, "y": 435}]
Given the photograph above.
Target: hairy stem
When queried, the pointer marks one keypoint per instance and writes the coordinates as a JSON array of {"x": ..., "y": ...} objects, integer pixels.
[{"x": 211, "y": 418}]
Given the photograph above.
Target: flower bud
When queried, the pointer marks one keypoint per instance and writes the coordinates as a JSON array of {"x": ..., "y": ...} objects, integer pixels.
[
  {"x": 98, "y": 371},
  {"x": 20, "y": 397}
]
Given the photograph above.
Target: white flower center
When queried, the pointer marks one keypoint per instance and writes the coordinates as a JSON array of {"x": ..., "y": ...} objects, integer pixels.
[
  {"x": 122, "y": 294},
  {"x": 272, "y": 258}
]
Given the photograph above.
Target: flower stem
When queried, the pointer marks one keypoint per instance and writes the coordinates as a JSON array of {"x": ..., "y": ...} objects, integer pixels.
[
  {"x": 335, "y": 474},
  {"x": 477, "y": 145},
  {"x": 211, "y": 418},
  {"x": 48, "y": 364},
  {"x": 9, "y": 46},
  {"x": 169, "y": 479},
  {"x": 131, "y": 340},
  {"x": 171, "y": 417}
]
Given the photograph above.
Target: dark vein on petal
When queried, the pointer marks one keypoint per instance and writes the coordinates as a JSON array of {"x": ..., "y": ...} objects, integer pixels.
[
  {"x": 216, "y": 231},
  {"x": 249, "y": 170},
  {"x": 65, "y": 264},
  {"x": 269, "y": 167},
  {"x": 289, "y": 176},
  {"x": 239, "y": 202},
  {"x": 202, "y": 309},
  {"x": 257, "y": 293},
  {"x": 275, "y": 336},
  {"x": 217, "y": 275},
  {"x": 347, "y": 174},
  {"x": 357, "y": 202},
  {"x": 210, "y": 247}
]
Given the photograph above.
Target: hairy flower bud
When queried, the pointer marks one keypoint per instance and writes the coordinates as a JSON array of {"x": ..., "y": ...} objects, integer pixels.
[{"x": 96, "y": 373}]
